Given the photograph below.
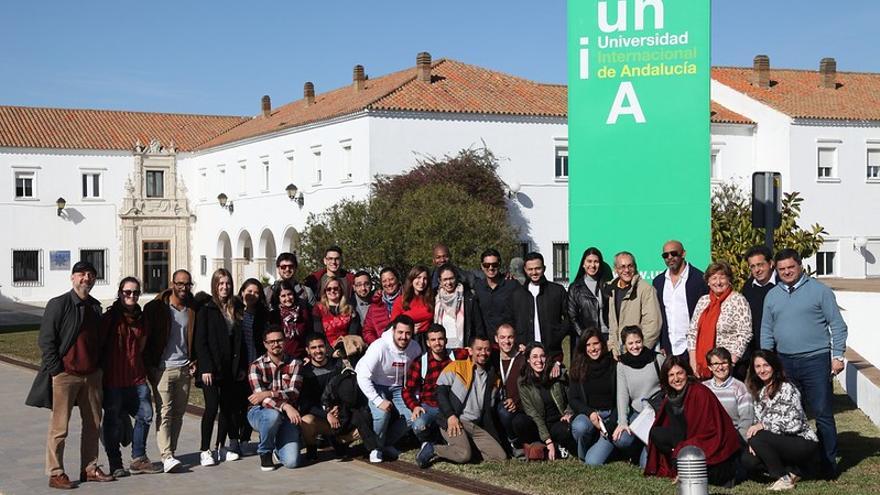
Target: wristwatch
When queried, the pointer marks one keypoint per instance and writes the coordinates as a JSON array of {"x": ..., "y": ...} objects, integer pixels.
[{"x": 839, "y": 358}]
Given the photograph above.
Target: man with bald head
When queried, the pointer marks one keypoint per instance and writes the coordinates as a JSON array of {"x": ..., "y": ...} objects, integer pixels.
[{"x": 678, "y": 290}]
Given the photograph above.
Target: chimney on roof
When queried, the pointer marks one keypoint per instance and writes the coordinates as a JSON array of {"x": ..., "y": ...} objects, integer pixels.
[
  {"x": 761, "y": 76},
  {"x": 828, "y": 71},
  {"x": 423, "y": 65},
  {"x": 266, "y": 105},
  {"x": 309, "y": 93},
  {"x": 358, "y": 78}
]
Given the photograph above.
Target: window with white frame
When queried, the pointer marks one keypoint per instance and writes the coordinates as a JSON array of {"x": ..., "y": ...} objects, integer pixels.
[
  {"x": 203, "y": 265},
  {"x": 561, "y": 162},
  {"x": 560, "y": 262},
  {"x": 345, "y": 174},
  {"x": 825, "y": 263},
  {"x": 98, "y": 258},
  {"x": 316, "y": 159},
  {"x": 91, "y": 185},
  {"x": 27, "y": 267},
  {"x": 265, "y": 162},
  {"x": 288, "y": 155},
  {"x": 221, "y": 179},
  {"x": 155, "y": 184},
  {"x": 715, "y": 165},
  {"x": 203, "y": 184},
  {"x": 242, "y": 177},
  {"x": 25, "y": 184},
  {"x": 874, "y": 164},
  {"x": 827, "y": 163}
]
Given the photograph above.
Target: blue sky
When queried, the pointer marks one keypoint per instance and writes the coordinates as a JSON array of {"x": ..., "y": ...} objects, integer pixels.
[{"x": 220, "y": 57}]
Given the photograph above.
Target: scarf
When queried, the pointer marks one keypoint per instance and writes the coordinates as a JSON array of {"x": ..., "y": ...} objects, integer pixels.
[
  {"x": 389, "y": 300},
  {"x": 706, "y": 331},
  {"x": 598, "y": 367},
  {"x": 125, "y": 319},
  {"x": 644, "y": 358},
  {"x": 676, "y": 399},
  {"x": 451, "y": 304}
]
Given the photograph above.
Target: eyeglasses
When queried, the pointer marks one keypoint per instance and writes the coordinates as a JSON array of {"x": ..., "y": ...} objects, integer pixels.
[
  {"x": 183, "y": 284},
  {"x": 671, "y": 254},
  {"x": 274, "y": 342},
  {"x": 287, "y": 266},
  {"x": 626, "y": 267},
  {"x": 331, "y": 289},
  {"x": 130, "y": 293},
  {"x": 487, "y": 266},
  {"x": 719, "y": 364}
]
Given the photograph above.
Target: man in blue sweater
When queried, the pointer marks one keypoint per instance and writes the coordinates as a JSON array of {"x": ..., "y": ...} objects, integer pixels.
[{"x": 798, "y": 315}]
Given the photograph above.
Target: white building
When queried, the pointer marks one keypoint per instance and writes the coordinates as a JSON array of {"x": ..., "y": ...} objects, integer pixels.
[{"x": 142, "y": 189}]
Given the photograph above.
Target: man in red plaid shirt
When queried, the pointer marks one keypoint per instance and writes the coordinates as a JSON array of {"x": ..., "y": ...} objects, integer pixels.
[
  {"x": 419, "y": 392},
  {"x": 276, "y": 381}
]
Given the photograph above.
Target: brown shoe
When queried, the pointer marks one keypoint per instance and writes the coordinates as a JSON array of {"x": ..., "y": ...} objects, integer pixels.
[
  {"x": 61, "y": 481},
  {"x": 95, "y": 475},
  {"x": 143, "y": 465}
]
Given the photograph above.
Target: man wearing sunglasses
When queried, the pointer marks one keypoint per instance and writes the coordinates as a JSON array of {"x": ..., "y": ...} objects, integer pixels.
[
  {"x": 678, "y": 290},
  {"x": 285, "y": 267},
  {"x": 169, "y": 322},
  {"x": 494, "y": 294}
]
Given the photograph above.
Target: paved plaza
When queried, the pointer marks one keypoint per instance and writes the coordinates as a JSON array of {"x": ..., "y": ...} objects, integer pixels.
[{"x": 23, "y": 440}]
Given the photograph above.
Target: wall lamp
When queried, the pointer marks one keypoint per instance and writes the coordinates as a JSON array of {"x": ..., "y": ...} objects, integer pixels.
[
  {"x": 294, "y": 194},
  {"x": 225, "y": 203},
  {"x": 60, "y": 203},
  {"x": 512, "y": 189},
  {"x": 859, "y": 243}
]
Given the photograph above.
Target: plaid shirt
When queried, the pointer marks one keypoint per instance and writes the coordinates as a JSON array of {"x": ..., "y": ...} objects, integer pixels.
[
  {"x": 418, "y": 390},
  {"x": 284, "y": 381}
]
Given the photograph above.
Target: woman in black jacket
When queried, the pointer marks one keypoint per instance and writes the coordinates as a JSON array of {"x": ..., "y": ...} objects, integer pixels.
[
  {"x": 220, "y": 365},
  {"x": 592, "y": 393},
  {"x": 254, "y": 321},
  {"x": 455, "y": 309},
  {"x": 586, "y": 304}
]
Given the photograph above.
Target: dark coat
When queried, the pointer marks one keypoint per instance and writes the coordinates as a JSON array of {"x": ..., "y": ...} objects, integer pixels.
[
  {"x": 583, "y": 306},
  {"x": 496, "y": 304},
  {"x": 552, "y": 316},
  {"x": 218, "y": 353},
  {"x": 579, "y": 400},
  {"x": 694, "y": 288},
  {"x": 157, "y": 322},
  {"x": 59, "y": 330}
]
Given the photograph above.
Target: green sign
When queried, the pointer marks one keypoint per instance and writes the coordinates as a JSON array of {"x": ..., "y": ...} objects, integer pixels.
[{"x": 638, "y": 128}]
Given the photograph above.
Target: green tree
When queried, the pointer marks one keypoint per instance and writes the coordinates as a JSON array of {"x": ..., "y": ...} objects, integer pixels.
[
  {"x": 458, "y": 201},
  {"x": 733, "y": 233}
]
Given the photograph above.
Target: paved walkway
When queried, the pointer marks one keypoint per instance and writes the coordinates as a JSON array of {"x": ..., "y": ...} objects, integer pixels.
[{"x": 23, "y": 440}]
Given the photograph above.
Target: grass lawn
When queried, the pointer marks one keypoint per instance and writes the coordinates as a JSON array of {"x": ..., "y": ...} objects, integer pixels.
[{"x": 859, "y": 443}]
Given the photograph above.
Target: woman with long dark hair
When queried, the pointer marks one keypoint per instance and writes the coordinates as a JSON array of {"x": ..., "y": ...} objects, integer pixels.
[
  {"x": 691, "y": 415},
  {"x": 334, "y": 316},
  {"x": 592, "y": 394},
  {"x": 781, "y": 442},
  {"x": 454, "y": 309},
  {"x": 294, "y": 316},
  {"x": 126, "y": 392},
  {"x": 545, "y": 403},
  {"x": 254, "y": 321},
  {"x": 416, "y": 301},
  {"x": 587, "y": 304},
  {"x": 218, "y": 343}
]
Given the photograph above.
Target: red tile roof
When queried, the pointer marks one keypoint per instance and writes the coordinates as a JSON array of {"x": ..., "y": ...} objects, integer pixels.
[
  {"x": 723, "y": 115},
  {"x": 797, "y": 93},
  {"x": 455, "y": 87},
  {"x": 30, "y": 127}
]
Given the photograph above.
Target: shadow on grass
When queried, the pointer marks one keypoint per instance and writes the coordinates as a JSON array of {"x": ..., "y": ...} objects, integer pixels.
[
  {"x": 19, "y": 328},
  {"x": 855, "y": 448}
]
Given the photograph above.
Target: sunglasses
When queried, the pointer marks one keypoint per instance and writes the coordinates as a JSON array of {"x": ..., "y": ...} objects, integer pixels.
[
  {"x": 670, "y": 254},
  {"x": 490, "y": 265},
  {"x": 286, "y": 267},
  {"x": 331, "y": 289},
  {"x": 130, "y": 293}
]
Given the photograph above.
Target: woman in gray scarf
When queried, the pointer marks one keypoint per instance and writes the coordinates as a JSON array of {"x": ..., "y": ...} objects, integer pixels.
[{"x": 456, "y": 309}]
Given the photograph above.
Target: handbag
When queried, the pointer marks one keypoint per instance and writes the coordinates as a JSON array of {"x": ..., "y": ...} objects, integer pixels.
[
  {"x": 656, "y": 399},
  {"x": 535, "y": 451}
]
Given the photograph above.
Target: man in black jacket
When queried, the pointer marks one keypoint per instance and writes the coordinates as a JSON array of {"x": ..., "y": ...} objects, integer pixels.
[
  {"x": 678, "y": 290},
  {"x": 762, "y": 279},
  {"x": 465, "y": 390},
  {"x": 494, "y": 292},
  {"x": 542, "y": 311},
  {"x": 72, "y": 344}
]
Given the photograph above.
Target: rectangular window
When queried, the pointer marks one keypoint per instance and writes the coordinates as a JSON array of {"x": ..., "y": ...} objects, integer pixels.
[
  {"x": 203, "y": 265},
  {"x": 825, "y": 263},
  {"x": 265, "y": 175},
  {"x": 827, "y": 163},
  {"x": 715, "y": 165},
  {"x": 874, "y": 164},
  {"x": 27, "y": 269},
  {"x": 289, "y": 156},
  {"x": 24, "y": 184},
  {"x": 91, "y": 185},
  {"x": 155, "y": 184},
  {"x": 203, "y": 184},
  {"x": 346, "y": 161},
  {"x": 562, "y": 162},
  {"x": 524, "y": 248},
  {"x": 96, "y": 257},
  {"x": 560, "y": 262},
  {"x": 316, "y": 154},
  {"x": 242, "y": 178}
]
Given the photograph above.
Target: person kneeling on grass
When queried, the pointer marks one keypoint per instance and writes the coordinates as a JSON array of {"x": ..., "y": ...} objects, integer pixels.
[
  {"x": 464, "y": 392},
  {"x": 276, "y": 381}
]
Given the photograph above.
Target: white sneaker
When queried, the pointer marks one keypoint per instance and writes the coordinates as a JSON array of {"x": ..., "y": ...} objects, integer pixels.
[
  {"x": 375, "y": 456},
  {"x": 169, "y": 464},
  {"x": 782, "y": 484},
  {"x": 206, "y": 458},
  {"x": 228, "y": 454},
  {"x": 563, "y": 453}
]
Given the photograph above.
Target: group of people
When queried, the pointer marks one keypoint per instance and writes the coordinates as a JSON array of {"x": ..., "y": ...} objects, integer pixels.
[{"x": 470, "y": 364}]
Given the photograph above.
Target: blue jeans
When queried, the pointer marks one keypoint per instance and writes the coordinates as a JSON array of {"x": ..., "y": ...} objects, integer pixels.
[
  {"x": 390, "y": 433},
  {"x": 277, "y": 434},
  {"x": 593, "y": 448},
  {"x": 505, "y": 417},
  {"x": 120, "y": 402},
  {"x": 812, "y": 376},
  {"x": 424, "y": 426},
  {"x": 627, "y": 441}
]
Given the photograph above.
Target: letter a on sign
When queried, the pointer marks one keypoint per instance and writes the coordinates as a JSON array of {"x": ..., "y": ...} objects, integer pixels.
[{"x": 626, "y": 94}]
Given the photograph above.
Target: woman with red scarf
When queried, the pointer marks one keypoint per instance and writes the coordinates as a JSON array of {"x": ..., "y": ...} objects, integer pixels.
[
  {"x": 691, "y": 415},
  {"x": 722, "y": 318},
  {"x": 293, "y": 316}
]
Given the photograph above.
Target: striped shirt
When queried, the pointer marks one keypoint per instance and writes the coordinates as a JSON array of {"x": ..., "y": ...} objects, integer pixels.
[
  {"x": 284, "y": 380},
  {"x": 736, "y": 400}
]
